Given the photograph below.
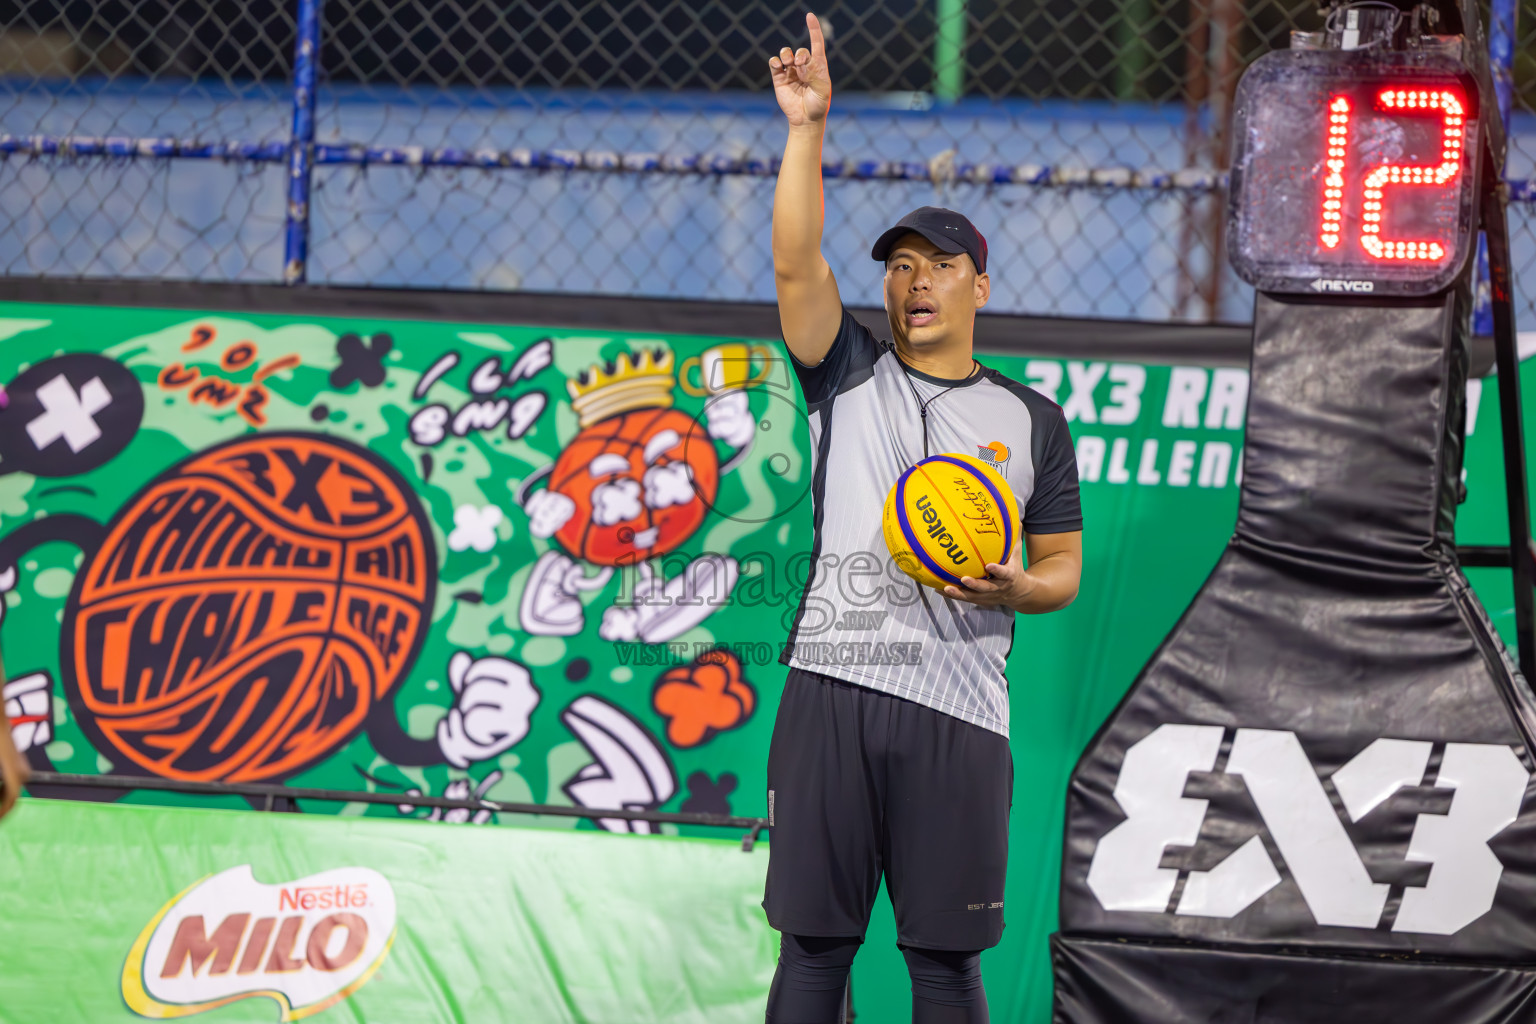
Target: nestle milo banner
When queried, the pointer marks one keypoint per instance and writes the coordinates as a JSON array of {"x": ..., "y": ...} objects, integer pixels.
[
  {"x": 165, "y": 913},
  {"x": 533, "y": 564}
]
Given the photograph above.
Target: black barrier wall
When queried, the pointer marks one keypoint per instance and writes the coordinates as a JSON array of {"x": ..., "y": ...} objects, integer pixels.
[{"x": 1315, "y": 803}]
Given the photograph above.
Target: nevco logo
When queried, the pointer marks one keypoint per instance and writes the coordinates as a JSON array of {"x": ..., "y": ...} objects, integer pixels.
[
  {"x": 1488, "y": 781},
  {"x": 306, "y": 944},
  {"x": 1324, "y": 284}
]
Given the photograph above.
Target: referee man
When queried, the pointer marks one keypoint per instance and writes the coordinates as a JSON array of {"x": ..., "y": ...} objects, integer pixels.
[{"x": 890, "y": 751}]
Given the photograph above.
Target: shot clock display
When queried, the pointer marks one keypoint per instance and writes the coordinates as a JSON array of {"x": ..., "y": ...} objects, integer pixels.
[{"x": 1354, "y": 172}]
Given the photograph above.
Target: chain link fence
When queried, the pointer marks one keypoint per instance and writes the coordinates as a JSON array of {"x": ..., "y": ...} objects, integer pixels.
[
  {"x": 134, "y": 71},
  {"x": 1521, "y": 164},
  {"x": 627, "y": 146}
]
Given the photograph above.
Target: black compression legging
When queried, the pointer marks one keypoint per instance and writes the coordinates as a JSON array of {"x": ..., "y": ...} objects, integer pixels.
[
  {"x": 812, "y": 976},
  {"x": 946, "y": 986},
  {"x": 808, "y": 987}
]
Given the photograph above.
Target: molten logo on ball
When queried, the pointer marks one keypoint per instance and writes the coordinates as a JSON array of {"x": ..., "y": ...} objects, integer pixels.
[
  {"x": 248, "y": 608},
  {"x": 949, "y": 516}
]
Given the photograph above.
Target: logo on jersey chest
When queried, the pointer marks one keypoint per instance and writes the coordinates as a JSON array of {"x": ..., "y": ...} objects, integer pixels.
[{"x": 995, "y": 455}]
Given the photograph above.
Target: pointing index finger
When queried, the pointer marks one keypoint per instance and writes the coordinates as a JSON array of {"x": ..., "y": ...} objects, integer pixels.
[{"x": 818, "y": 44}]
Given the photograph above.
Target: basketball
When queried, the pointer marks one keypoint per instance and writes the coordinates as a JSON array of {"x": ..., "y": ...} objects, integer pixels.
[
  {"x": 248, "y": 608},
  {"x": 948, "y": 517},
  {"x": 612, "y": 469}
]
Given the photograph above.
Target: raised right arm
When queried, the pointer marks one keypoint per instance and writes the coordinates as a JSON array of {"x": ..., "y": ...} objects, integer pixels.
[{"x": 810, "y": 310}]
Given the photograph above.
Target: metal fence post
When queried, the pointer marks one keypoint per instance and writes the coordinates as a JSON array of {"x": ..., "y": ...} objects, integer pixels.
[
  {"x": 301, "y": 147},
  {"x": 1501, "y": 62}
]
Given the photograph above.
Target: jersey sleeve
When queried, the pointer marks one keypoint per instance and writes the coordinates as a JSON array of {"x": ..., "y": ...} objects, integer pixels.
[
  {"x": 854, "y": 347},
  {"x": 1055, "y": 505}
]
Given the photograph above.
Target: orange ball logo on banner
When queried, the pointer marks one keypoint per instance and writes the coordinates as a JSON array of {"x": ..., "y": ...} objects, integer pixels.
[{"x": 248, "y": 608}]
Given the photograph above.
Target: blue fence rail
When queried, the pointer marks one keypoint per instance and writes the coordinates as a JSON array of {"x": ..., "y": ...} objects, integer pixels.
[{"x": 1192, "y": 180}]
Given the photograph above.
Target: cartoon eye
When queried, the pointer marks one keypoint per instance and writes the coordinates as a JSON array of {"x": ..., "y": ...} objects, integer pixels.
[
  {"x": 616, "y": 502},
  {"x": 669, "y": 485},
  {"x": 659, "y": 445},
  {"x": 608, "y": 464}
]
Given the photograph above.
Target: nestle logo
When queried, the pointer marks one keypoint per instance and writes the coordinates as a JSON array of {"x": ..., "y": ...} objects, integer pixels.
[
  {"x": 322, "y": 897},
  {"x": 1324, "y": 284}
]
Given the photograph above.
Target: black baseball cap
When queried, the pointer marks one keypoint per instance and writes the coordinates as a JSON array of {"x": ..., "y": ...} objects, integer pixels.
[{"x": 948, "y": 230}]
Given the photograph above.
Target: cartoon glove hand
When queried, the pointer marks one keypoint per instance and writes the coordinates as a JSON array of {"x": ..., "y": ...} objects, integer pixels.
[
  {"x": 29, "y": 706},
  {"x": 728, "y": 417},
  {"x": 547, "y": 512},
  {"x": 495, "y": 698}
]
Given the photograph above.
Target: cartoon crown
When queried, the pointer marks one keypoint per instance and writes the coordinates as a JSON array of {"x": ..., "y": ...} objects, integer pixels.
[{"x": 639, "y": 380}]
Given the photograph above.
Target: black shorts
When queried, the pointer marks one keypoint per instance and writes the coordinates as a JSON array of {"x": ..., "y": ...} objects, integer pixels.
[{"x": 860, "y": 783}]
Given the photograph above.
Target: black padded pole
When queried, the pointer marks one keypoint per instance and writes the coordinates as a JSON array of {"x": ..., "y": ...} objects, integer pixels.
[{"x": 1507, "y": 360}]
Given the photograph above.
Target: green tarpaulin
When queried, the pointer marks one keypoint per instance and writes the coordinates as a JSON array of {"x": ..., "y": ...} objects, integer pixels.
[{"x": 473, "y": 925}]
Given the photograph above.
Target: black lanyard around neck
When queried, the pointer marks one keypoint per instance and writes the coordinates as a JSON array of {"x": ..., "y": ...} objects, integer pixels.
[{"x": 922, "y": 406}]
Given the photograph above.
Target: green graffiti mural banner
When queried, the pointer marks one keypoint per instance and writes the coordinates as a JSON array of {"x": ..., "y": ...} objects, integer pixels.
[
  {"x": 399, "y": 557},
  {"x": 531, "y": 564}
]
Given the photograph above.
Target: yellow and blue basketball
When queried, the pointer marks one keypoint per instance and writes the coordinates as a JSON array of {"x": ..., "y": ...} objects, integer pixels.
[{"x": 947, "y": 517}]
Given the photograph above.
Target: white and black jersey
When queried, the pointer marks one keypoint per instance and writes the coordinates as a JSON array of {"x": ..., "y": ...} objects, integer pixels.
[{"x": 861, "y": 619}]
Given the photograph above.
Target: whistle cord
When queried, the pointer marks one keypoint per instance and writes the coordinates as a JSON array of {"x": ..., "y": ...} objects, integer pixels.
[{"x": 922, "y": 406}]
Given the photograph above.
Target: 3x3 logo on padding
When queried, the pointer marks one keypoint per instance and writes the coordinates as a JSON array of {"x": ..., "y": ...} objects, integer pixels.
[{"x": 1487, "y": 784}]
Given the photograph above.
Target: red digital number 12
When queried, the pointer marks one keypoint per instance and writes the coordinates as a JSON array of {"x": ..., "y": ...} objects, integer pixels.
[{"x": 1442, "y": 102}]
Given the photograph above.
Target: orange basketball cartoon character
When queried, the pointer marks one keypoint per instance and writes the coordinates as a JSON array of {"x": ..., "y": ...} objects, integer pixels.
[{"x": 636, "y": 482}]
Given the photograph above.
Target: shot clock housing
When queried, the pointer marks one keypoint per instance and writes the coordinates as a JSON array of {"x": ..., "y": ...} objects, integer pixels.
[
  {"x": 1317, "y": 801},
  {"x": 1354, "y": 171}
]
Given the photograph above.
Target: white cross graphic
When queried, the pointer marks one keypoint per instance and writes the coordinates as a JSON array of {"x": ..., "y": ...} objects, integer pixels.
[{"x": 67, "y": 414}]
